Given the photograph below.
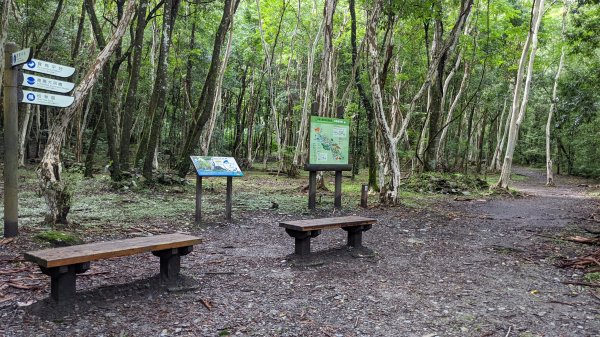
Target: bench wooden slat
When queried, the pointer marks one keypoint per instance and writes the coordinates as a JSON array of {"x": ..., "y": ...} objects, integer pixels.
[
  {"x": 63, "y": 256},
  {"x": 326, "y": 223}
]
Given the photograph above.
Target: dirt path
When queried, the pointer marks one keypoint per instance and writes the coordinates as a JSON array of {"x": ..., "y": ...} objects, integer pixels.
[{"x": 458, "y": 268}]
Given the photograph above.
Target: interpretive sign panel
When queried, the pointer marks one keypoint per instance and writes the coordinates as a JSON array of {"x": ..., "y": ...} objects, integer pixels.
[
  {"x": 329, "y": 141},
  {"x": 216, "y": 166}
]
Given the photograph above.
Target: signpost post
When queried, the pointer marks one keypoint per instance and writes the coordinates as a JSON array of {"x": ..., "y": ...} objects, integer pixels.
[
  {"x": 14, "y": 79},
  {"x": 12, "y": 58},
  {"x": 215, "y": 167}
]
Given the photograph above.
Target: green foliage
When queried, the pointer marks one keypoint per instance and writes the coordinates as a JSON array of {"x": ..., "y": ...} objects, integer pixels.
[
  {"x": 592, "y": 277},
  {"x": 446, "y": 183},
  {"x": 58, "y": 238}
]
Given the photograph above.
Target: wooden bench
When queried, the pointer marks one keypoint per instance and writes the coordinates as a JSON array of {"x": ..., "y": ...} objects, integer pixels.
[
  {"x": 303, "y": 230},
  {"x": 62, "y": 264}
]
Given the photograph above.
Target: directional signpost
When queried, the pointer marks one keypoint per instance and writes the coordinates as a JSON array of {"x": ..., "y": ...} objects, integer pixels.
[
  {"x": 43, "y": 98},
  {"x": 14, "y": 79},
  {"x": 20, "y": 57},
  {"x": 43, "y": 83},
  {"x": 48, "y": 68}
]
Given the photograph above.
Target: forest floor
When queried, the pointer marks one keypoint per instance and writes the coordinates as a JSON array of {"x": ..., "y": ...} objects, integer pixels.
[{"x": 478, "y": 265}]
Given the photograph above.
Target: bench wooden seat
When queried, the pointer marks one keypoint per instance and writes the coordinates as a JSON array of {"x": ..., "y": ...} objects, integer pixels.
[
  {"x": 303, "y": 230},
  {"x": 62, "y": 264}
]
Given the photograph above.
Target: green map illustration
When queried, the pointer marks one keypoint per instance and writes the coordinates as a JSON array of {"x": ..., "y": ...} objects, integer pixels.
[{"x": 329, "y": 140}]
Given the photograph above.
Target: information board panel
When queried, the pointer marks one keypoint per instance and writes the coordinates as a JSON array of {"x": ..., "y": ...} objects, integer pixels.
[
  {"x": 216, "y": 166},
  {"x": 329, "y": 140}
]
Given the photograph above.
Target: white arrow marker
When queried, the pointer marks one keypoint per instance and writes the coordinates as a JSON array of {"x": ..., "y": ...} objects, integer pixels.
[
  {"x": 47, "y": 83},
  {"x": 20, "y": 57},
  {"x": 49, "y": 68},
  {"x": 42, "y": 98}
]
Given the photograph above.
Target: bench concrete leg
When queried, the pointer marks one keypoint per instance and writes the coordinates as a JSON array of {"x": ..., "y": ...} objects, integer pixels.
[
  {"x": 170, "y": 261},
  {"x": 63, "y": 280},
  {"x": 355, "y": 235},
  {"x": 302, "y": 240}
]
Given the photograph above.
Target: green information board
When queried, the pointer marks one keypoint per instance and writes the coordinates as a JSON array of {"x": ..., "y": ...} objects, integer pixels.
[{"x": 329, "y": 141}]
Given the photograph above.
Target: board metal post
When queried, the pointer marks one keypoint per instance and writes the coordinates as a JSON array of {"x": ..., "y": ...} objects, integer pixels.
[
  {"x": 11, "y": 175},
  {"x": 312, "y": 189},
  {"x": 228, "y": 198},
  {"x": 198, "y": 217},
  {"x": 337, "y": 201},
  {"x": 363, "y": 195}
]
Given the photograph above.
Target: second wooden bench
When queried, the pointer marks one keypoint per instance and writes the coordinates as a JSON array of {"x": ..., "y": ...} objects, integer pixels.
[{"x": 303, "y": 230}]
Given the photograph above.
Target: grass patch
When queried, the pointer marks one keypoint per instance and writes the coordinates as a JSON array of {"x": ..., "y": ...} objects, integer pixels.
[
  {"x": 58, "y": 238},
  {"x": 592, "y": 277}
]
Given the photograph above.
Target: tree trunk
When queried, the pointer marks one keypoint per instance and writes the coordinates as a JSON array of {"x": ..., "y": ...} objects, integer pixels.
[
  {"x": 91, "y": 150},
  {"x": 207, "y": 97},
  {"x": 501, "y": 137},
  {"x": 300, "y": 152},
  {"x": 218, "y": 103},
  {"x": 54, "y": 188},
  {"x": 157, "y": 106},
  {"x": 131, "y": 97},
  {"x": 549, "y": 176},
  {"x": 269, "y": 55},
  {"x": 519, "y": 103},
  {"x": 4, "y": 9},
  {"x": 107, "y": 84}
]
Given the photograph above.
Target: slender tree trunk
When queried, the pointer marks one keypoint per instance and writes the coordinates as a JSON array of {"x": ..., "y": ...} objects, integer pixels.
[
  {"x": 4, "y": 9},
  {"x": 218, "y": 103},
  {"x": 107, "y": 84},
  {"x": 157, "y": 106},
  {"x": 549, "y": 176},
  {"x": 57, "y": 13},
  {"x": 54, "y": 188},
  {"x": 269, "y": 55},
  {"x": 23, "y": 135},
  {"x": 207, "y": 97},
  {"x": 91, "y": 150},
  {"x": 448, "y": 120},
  {"x": 300, "y": 152},
  {"x": 519, "y": 103},
  {"x": 79, "y": 36},
  {"x": 131, "y": 97},
  {"x": 501, "y": 137}
]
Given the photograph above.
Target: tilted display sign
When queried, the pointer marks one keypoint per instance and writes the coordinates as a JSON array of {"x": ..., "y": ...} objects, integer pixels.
[
  {"x": 329, "y": 140},
  {"x": 216, "y": 166}
]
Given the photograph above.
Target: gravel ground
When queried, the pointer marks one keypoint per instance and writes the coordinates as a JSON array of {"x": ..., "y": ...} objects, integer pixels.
[{"x": 482, "y": 267}]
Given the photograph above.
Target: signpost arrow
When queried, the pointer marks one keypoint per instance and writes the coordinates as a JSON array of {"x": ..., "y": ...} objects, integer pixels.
[
  {"x": 20, "y": 57},
  {"x": 42, "y": 98},
  {"x": 49, "y": 68},
  {"x": 43, "y": 83}
]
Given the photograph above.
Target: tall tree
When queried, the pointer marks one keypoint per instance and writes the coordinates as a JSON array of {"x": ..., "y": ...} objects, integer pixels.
[
  {"x": 554, "y": 99},
  {"x": 54, "y": 188},
  {"x": 156, "y": 110},
  {"x": 207, "y": 97},
  {"x": 131, "y": 97},
  {"x": 519, "y": 103}
]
